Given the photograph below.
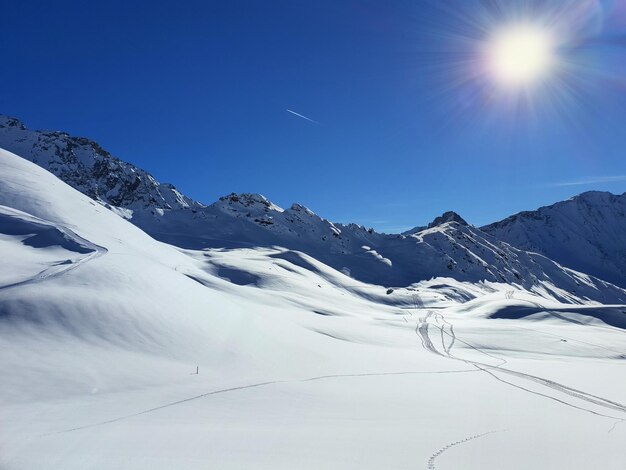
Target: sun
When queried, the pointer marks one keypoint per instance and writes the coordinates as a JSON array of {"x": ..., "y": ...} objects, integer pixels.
[{"x": 520, "y": 55}]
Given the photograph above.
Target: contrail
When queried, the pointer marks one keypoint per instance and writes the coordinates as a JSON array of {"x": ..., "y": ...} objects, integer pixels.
[
  {"x": 590, "y": 180},
  {"x": 300, "y": 115}
]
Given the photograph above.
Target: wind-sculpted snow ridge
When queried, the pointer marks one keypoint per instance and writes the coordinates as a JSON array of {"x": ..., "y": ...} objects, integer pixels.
[
  {"x": 34, "y": 250},
  {"x": 448, "y": 247},
  {"x": 586, "y": 233}
]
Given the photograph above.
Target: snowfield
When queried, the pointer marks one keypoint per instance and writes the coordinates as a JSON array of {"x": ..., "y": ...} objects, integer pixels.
[{"x": 299, "y": 365}]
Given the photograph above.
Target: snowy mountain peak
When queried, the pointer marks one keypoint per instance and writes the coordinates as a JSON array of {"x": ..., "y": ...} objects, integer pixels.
[
  {"x": 597, "y": 198},
  {"x": 586, "y": 232},
  {"x": 8, "y": 121},
  {"x": 295, "y": 207},
  {"x": 446, "y": 217},
  {"x": 86, "y": 166},
  {"x": 594, "y": 195},
  {"x": 249, "y": 201}
]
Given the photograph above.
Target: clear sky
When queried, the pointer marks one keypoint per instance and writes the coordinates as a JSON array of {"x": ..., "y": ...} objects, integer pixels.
[{"x": 404, "y": 121}]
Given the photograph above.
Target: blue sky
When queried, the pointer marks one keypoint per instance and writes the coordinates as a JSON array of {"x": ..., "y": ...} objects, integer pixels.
[{"x": 198, "y": 93}]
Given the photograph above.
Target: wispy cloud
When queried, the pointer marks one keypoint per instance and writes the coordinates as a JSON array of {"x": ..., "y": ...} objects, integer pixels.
[
  {"x": 590, "y": 180},
  {"x": 302, "y": 116}
]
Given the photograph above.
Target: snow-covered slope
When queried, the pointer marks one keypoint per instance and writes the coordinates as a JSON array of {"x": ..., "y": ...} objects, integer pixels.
[
  {"x": 80, "y": 287},
  {"x": 300, "y": 366},
  {"x": 586, "y": 233}
]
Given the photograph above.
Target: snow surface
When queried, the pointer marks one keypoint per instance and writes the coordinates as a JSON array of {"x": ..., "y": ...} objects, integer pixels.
[{"x": 300, "y": 365}]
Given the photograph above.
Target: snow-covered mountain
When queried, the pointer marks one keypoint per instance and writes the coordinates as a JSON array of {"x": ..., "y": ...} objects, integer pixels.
[
  {"x": 449, "y": 216},
  {"x": 448, "y": 247},
  {"x": 87, "y": 167},
  {"x": 586, "y": 232},
  {"x": 119, "y": 351}
]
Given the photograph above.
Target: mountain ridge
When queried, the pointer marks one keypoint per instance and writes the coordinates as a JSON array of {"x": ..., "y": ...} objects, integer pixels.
[
  {"x": 89, "y": 168},
  {"x": 586, "y": 232},
  {"x": 448, "y": 247}
]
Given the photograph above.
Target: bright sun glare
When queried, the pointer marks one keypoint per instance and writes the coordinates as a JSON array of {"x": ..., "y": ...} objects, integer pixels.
[{"x": 519, "y": 55}]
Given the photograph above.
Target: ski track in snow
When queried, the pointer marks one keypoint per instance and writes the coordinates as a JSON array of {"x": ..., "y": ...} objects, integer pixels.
[
  {"x": 255, "y": 385},
  {"x": 432, "y": 458},
  {"x": 422, "y": 331}
]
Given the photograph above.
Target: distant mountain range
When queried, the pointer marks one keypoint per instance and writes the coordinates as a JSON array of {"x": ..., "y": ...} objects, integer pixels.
[{"x": 534, "y": 250}]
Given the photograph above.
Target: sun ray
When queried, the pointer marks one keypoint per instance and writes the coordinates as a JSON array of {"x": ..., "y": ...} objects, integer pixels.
[{"x": 520, "y": 61}]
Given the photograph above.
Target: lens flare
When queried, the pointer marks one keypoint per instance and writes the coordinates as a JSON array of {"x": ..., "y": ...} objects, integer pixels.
[
  {"x": 525, "y": 62},
  {"x": 519, "y": 55}
]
